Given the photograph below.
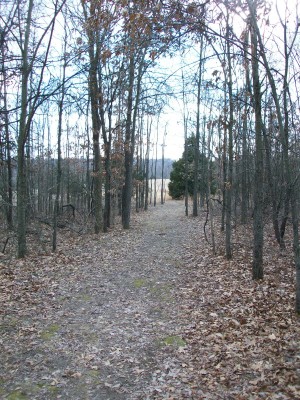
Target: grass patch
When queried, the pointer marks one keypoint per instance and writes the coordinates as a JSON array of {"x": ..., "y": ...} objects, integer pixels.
[
  {"x": 163, "y": 292},
  {"x": 2, "y": 391},
  {"x": 94, "y": 375},
  {"x": 174, "y": 340},
  {"x": 84, "y": 297},
  {"x": 138, "y": 283},
  {"x": 93, "y": 372},
  {"x": 53, "y": 390},
  {"x": 8, "y": 325},
  {"x": 50, "y": 332},
  {"x": 17, "y": 395}
]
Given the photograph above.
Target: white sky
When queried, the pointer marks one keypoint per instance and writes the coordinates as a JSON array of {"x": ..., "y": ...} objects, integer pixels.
[{"x": 174, "y": 118}]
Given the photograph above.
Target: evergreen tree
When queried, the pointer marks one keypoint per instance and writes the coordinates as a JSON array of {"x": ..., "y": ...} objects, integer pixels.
[{"x": 177, "y": 176}]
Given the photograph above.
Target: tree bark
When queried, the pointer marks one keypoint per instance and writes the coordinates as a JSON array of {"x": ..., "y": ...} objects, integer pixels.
[
  {"x": 129, "y": 149},
  {"x": 163, "y": 168},
  {"x": 22, "y": 137},
  {"x": 257, "y": 266},
  {"x": 283, "y": 123},
  {"x": 229, "y": 182},
  {"x": 185, "y": 127},
  {"x": 8, "y": 184},
  {"x": 59, "y": 167},
  {"x": 296, "y": 248},
  {"x": 147, "y": 165},
  {"x": 197, "y": 136},
  {"x": 245, "y": 166},
  {"x": 94, "y": 56}
]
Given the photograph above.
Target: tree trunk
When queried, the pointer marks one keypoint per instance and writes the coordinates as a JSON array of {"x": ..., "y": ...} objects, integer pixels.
[
  {"x": 197, "y": 136},
  {"x": 147, "y": 165},
  {"x": 130, "y": 128},
  {"x": 22, "y": 137},
  {"x": 257, "y": 267},
  {"x": 155, "y": 168},
  {"x": 245, "y": 166},
  {"x": 163, "y": 167},
  {"x": 296, "y": 248},
  {"x": 129, "y": 149},
  {"x": 209, "y": 200},
  {"x": 94, "y": 56},
  {"x": 59, "y": 168},
  {"x": 186, "y": 166},
  {"x": 272, "y": 189},
  {"x": 229, "y": 182},
  {"x": 8, "y": 189},
  {"x": 185, "y": 127},
  {"x": 283, "y": 123},
  {"x": 223, "y": 171}
]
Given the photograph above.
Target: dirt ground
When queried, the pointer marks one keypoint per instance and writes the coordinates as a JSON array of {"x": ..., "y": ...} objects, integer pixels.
[
  {"x": 146, "y": 314},
  {"x": 89, "y": 322}
]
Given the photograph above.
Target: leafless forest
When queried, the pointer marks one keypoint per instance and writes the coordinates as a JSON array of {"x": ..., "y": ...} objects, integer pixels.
[{"x": 95, "y": 93}]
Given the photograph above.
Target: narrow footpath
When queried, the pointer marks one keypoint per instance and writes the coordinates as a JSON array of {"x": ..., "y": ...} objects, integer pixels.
[
  {"x": 150, "y": 314},
  {"x": 100, "y": 319}
]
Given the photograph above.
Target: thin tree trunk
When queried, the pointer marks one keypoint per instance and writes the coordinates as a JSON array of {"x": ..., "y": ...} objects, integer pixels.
[
  {"x": 59, "y": 160},
  {"x": 283, "y": 120},
  {"x": 88, "y": 175},
  {"x": 296, "y": 247},
  {"x": 21, "y": 175},
  {"x": 137, "y": 185},
  {"x": 272, "y": 189},
  {"x": 94, "y": 55},
  {"x": 245, "y": 166},
  {"x": 147, "y": 165},
  {"x": 155, "y": 168},
  {"x": 163, "y": 167},
  {"x": 204, "y": 167},
  {"x": 9, "y": 183},
  {"x": 130, "y": 128},
  {"x": 8, "y": 189},
  {"x": 142, "y": 169},
  {"x": 151, "y": 183},
  {"x": 223, "y": 173},
  {"x": 185, "y": 127},
  {"x": 257, "y": 267},
  {"x": 107, "y": 200},
  {"x": 197, "y": 136},
  {"x": 209, "y": 200},
  {"x": 229, "y": 188},
  {"x": 186, "y": 189},
  {"x": 129, "y": 149}
]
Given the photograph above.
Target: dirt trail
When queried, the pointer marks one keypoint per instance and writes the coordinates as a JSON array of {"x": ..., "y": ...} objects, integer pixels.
[{"x": 105, "y": 323}]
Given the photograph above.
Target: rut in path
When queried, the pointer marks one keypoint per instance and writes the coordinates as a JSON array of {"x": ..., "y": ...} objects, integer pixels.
[{"x": 108, "y": 318}]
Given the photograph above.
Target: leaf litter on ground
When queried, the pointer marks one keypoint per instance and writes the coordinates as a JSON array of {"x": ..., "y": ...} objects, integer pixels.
[{"x": 141, "y": 315}]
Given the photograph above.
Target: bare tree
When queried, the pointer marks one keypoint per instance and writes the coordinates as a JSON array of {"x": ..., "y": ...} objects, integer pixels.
[
  {"x": 257, "y": 269},
  {"x": 282, "y": 113}
]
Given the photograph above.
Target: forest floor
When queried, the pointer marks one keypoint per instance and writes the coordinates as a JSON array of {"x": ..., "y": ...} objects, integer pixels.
[{"x": 149, "y": 313}]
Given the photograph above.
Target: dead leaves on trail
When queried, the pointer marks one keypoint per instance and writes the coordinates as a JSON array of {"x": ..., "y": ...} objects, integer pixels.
[
  {"x": 243, "y": 337},
  {"x": 177, "y": 324}
]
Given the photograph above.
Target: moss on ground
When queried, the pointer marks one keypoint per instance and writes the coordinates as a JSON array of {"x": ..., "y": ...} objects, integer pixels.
[
  {"x": 139, "y": 283},
  {"x": 17, "y": 395},
  {"x": 174, "y": 340},
  {"x": 50, "y": 332},
  {"x": 163, "y": 292}
]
